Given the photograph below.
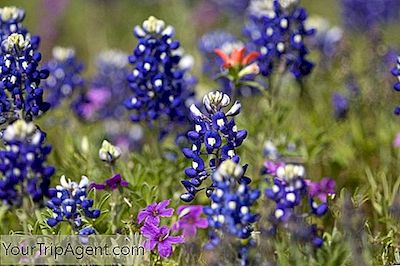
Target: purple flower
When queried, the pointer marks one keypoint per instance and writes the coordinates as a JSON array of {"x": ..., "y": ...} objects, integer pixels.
[
  {"x": 190, "y": 220},
  {"x": 396, "y": 142},
  {"x": 96, "y": 98},
  {"x": 322, "y": 188},
  {"x": 340, "y": 105},
  {"x": 159, "y": 236},
  {"x": 151, "y": 214},
  {"x": 271, "y": 167},
  {"x": 112, "y": 183}
]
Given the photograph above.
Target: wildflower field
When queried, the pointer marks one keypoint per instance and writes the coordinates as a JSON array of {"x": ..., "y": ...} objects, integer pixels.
[{"x": 207, "y": 132}]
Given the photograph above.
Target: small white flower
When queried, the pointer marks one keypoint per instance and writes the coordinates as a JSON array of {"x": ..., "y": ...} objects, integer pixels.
[{"x": 109, "y": 152}]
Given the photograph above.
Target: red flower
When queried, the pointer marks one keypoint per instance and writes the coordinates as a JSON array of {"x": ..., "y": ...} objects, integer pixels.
[{"x": 237, "y": 57}]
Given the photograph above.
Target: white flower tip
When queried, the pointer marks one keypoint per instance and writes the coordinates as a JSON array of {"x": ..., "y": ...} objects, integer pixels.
[
  {"x": 84, "y": 181},
  {"x": 216, "y": 100},
  {"x": 168, "y": 31},
  {"x": 153, "y": 25},
  {"x": 195, "y": 111},
  {"x": 235, "y": 109},
  {"x": 109, "y": 152},
  {"x": 64, "y": 183},
  {"x": 230, "y": 168}
]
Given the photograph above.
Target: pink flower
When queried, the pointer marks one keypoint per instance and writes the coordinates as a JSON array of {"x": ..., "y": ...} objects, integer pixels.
[
  {"x": 321, "y": 189},
  {"x": 159, "y": 236},
  {"x": 153, "y": 212},
  {"x": 271, "y": 167},
  {"x": 190, "y": 220},
  {"x": 97, "y": 98},
  {"x": 396, "y": 142}
]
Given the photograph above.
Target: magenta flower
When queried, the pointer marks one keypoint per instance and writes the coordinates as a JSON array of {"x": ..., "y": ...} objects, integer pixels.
[
  {"x": 153, "y": 212},
  {"x": 271, "y": 167},
  {"x": 97, "y": 98},
  {"x": 396, "y": 142},
  {"x": 111, "y": 183},
  {"x": 190, "y": 220},
  {"x": 321, "y": 189},
  {"x": 159, "y": 236}
]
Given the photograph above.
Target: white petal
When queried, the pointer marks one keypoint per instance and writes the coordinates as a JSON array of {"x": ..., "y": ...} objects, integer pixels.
[
  {"x": 235, "y": 109},
  {"x": 63, "y": 182},
  {"x": 195, "y": 111},
  {"x": 225, "y": 100},
  {"x": 84, "y": 182}
]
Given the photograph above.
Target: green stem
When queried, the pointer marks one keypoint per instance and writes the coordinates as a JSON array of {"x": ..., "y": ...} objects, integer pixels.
[{"x": 113, "y": 212}]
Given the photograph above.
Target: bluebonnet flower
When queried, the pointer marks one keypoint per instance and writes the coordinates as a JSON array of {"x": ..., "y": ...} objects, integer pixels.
[
  {"x": 230, "y": 210},
  {"x": 108, "y": 89},
  {"x": 340, "y": 105},
  {"x": 364, "y": 15},
  {"x": 327, "y": 37},
  {"x": 270, "y": 150},
  {"x": 69, "y": 203},
  {"x": 126, "y": 136},
  {"x": 11, "y": 19},
  {"x": 277, "y": 29},
  {"x": 353, "y": 87},
  {"x": 65, "y": 75},
  {"x": 232, "y": 7},
  {"x": 216, "y": 135},
  {"x": 396, "y": 73},
  {"x": 20, "y": 93},
  {"x": 289, "y": 189},
  {"x": 23, "y": 164},
  {"x": 161, "y": 91}
]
